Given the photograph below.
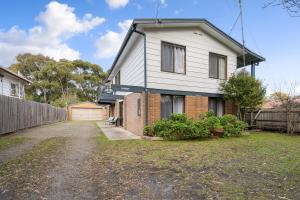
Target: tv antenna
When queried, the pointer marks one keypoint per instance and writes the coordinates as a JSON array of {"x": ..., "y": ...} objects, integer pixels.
[{"x": 242, "y": 25}]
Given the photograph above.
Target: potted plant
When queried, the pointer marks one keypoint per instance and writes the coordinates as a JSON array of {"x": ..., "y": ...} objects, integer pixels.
[{"x": 218, "y": 130}]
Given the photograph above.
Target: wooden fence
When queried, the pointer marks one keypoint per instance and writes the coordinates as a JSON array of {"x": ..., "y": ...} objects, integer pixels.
[
  {"x": 274, "y": 119},
  {"x": 16, "y": 114}
]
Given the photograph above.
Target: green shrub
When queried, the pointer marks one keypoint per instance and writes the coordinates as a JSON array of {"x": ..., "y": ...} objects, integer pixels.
[
  {"x": 232, "y": 125},
  {"x": 180, "y": 127},
  {"x": 213, "y": 122},
  {"x": 202, "y": 129},
  {"x": 178, "y": 117},
  {"x": 148, "y": 131}
]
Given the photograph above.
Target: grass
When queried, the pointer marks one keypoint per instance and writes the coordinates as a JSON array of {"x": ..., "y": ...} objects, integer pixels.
[
  {"x": 39, "y": 151},
  {"x": 30, "y": 167},
  {"x": 11, "y": 140},
  {"x": 258, "y": 166}
]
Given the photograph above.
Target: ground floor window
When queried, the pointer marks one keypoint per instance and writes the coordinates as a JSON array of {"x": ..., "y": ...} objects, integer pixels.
[
  {"x": 14, "y": 89},
  {"x": 171, "y": 104},
  {"x": 216, "y": 105}
]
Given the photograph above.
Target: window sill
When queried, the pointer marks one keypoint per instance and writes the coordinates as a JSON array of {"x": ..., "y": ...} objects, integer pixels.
[{"x": 173, "y": 73}]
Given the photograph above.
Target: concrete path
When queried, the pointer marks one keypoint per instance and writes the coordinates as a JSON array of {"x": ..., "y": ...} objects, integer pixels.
[{"x": 116, "y": 133}]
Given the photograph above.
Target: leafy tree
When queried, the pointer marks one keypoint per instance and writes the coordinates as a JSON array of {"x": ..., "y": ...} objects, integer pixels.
[
  {"x": 27, "y": 64},
  {"x": 88, "y": 78},
  {"x": 65, "y": 100},
  {"x": 244, "y": 91},
  {"x": 59, "y": 82}
]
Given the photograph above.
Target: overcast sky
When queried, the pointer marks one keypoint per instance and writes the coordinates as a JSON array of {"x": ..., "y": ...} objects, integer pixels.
[{"x": 93, "y": 30}]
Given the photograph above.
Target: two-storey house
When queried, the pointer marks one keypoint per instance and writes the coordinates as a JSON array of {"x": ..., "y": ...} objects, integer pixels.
[{"x": 169, "y": 66}]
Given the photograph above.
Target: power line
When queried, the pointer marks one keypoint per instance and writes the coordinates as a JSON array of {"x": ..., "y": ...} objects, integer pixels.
[{"x": 237, "y": 19}]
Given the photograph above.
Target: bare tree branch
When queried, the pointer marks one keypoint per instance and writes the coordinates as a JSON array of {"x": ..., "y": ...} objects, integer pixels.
[{"x": 291, "y": 6}]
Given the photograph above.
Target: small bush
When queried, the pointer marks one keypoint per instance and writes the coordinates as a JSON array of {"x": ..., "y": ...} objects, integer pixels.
[
  {"x": 148, "y": 131},
  {"x": 232, "y": 125},
  {"x": 178, "y": 117}
]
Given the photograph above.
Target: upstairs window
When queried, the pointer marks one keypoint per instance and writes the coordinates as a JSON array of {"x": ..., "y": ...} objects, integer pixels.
[
  {"x": 172, "y": 58},
  {"x": 14, "y": 90},
  {"x": 171, "y": 104},
  {"x": 217, "y": 66},
  {"x": 118, "y": 78}
]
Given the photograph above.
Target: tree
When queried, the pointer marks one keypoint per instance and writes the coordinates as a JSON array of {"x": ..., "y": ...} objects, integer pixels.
[
  {"x": 289, "y": 101},
  {"x": 291, "y": 6},
  {"x": 59, "y": 82},
  {"x": 27, "y": 64},
  {"x": 244, "y": 91},
  {"x": 88, "y": 78}
]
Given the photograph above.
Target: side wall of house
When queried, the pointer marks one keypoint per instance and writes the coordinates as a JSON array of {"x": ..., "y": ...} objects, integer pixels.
[
  {"x": 5, "y": 85},
  {"x": 198, "y": 45},
  {"x": 132, "y": 64},
  {"x": 132, "y": 121}
]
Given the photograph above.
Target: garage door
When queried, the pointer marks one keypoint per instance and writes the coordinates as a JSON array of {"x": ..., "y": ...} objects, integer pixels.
[{"x": 88, "y": 114}]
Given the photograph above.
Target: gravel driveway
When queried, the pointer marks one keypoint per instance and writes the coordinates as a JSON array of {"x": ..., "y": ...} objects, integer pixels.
[{"x": 57, "y": 174}]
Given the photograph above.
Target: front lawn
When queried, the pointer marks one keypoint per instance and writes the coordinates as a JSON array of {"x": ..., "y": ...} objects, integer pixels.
[{"x": 258, "y": 166}]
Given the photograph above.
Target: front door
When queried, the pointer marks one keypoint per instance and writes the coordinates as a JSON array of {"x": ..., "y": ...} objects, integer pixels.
[{"x": 121, "y": 113}]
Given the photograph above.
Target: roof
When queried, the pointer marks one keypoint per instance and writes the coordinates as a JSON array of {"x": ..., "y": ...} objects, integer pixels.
[
  {"x": 14, "y": 74},
  {"x": 85, "y": 104},
  {"x": 250, "y": 56}
]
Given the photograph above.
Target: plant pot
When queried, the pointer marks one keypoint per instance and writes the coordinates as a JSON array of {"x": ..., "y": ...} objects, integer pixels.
[{"x": 218, "y": 132}]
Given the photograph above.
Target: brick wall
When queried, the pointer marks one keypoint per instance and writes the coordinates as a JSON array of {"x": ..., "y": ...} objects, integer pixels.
[
  {"x": 153, "y": 108},
  {"x": 195, "y": 105},
  {"x": 133, "y": 122},
  {"x": 230, "y": 108}
]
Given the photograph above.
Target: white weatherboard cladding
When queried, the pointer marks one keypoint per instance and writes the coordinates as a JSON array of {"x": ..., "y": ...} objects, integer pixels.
[
  {"x": 6, "y": 82},
  {"x": 132, "y": 64},
  {"x": 198, "y": 45}
]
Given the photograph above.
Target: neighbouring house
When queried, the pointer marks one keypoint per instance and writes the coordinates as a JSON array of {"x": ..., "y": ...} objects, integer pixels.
[
  {"x": 169, "y": 66},
  {"x": 12, "y": 84},
  {"x": 87, "y": 111}
]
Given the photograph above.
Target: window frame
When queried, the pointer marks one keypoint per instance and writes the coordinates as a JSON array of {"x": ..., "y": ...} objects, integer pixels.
[
  {"x": 172, "y": 100},
  {"x": 16, "y": 89},
  {"x": 218, "y": 68},
  {"x": 138, "y": 104},
  {"x": 217, "y": 101},
  {"x": 173, "y": 67}
]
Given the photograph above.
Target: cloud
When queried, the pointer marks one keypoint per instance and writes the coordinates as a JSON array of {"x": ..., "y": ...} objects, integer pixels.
[
  {"x": 56, "y": 25},
  {"x": 179, "y": 11},
  {"x": 163, "y": 3},
  {"x": 109, "y": 44},
  {"x": 117, "y": 3},
  {"x": 138, "y": 6}
]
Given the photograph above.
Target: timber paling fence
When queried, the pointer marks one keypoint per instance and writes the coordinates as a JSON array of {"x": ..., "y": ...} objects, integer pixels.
[
  {"x": 274, "y": 119},
  {"x": 17, "y": 114}
]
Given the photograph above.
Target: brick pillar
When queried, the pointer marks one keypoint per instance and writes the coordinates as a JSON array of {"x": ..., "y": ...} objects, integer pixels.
[
  {"x": 153, "y": 108},
  {"x": 230, "y": 108},
  {"x": 195, "y": 105}
]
